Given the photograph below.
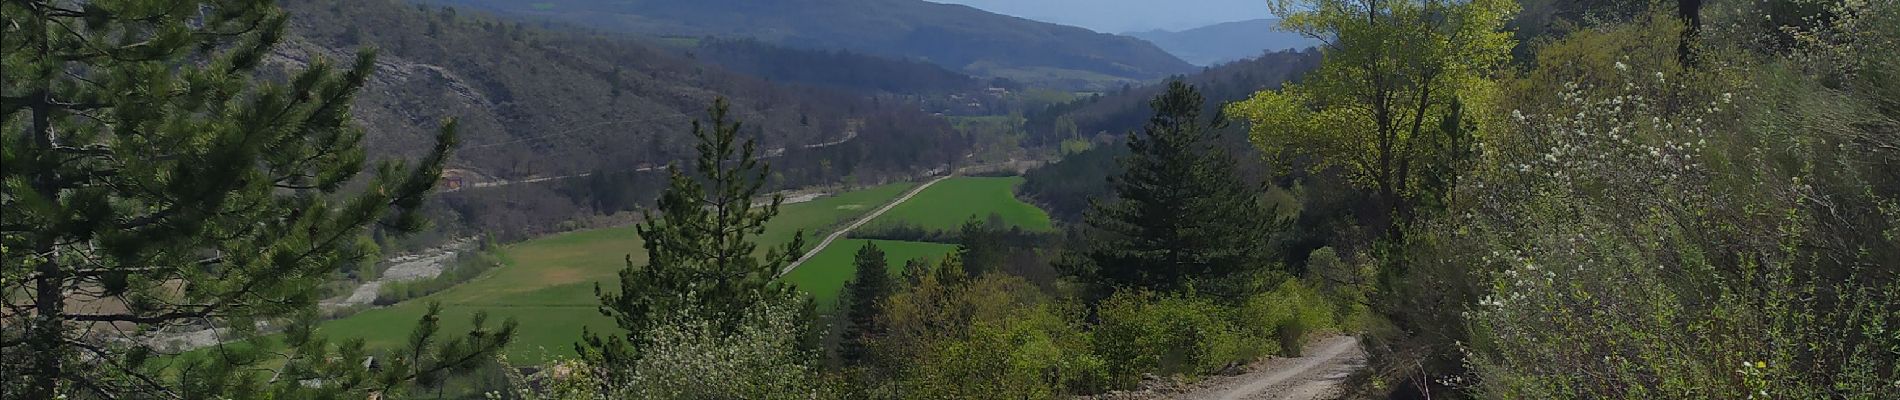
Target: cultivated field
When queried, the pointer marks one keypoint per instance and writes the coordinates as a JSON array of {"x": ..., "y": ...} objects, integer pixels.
[
  {"x": 825, "y": 274},
  {"x": 548, "y": 283},
  {"x": 952, "y": 202}
]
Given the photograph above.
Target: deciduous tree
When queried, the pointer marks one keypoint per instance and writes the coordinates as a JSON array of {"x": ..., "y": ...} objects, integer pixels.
[{"x": 1384, "y": 106}]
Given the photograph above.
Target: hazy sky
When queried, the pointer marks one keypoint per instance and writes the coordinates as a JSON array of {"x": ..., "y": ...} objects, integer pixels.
[{"x": 1117, "y": 16}]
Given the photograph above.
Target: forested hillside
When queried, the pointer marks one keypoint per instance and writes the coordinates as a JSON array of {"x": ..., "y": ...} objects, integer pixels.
[
  {"x": 538, "y": 103},
  {"x": 1119, "y": 112},
  {"x": 954, "y": 36},
  {"x": 1226, "y": 42},
  {"x": 842, "y": 69}
]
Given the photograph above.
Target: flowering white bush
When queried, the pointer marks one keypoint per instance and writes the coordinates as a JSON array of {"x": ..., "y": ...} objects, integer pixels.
[
  {"x": 690, "y": 358},
  {"x": 1647, "y": 228}
]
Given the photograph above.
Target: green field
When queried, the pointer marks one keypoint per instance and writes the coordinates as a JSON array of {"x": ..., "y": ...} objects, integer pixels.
[
  {"x": 825, "y": 274},
  {"x": 948, "y": 204},
  {"x": 548, "y": 283}
]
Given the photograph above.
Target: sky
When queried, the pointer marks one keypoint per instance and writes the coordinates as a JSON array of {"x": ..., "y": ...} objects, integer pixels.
[{"x": 1118, "y": 16}]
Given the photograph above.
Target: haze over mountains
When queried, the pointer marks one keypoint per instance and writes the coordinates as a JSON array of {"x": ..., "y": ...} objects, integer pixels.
[
  {"x": 1225, "y": 42},
  {"x": 957, "y": 37},
  {"x": 1126, "y": 15}
]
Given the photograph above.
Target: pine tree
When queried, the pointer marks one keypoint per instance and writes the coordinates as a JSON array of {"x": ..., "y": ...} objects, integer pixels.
[
  {"x": 983, "y": 244},
  {"x": 863, "y": 294},
  {"x": 699, "y": 247},
  {"x": 153, "y": 178},
  {"x": 1182, "y": 217}
]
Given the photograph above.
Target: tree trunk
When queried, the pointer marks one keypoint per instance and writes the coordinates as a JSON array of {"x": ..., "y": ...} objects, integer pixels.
[
  {"x": 1690, "y": 11},
  {"x": 44, "y": 335}
]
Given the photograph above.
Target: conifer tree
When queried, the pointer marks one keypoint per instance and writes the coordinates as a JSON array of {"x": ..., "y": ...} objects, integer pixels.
[
  {"x": 699, "y": 246},
  {"x": 870, "y": 284},
  {"x": 153, "y": 179},
  {"x": 1182, "y": 216},
  {"x": 983, "y": 245}
]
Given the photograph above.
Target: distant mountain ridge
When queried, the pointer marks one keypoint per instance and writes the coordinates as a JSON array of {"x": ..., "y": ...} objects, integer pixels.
[
  {"x": 1226, "y": 42},
  {"x": 957, "y": 37}
]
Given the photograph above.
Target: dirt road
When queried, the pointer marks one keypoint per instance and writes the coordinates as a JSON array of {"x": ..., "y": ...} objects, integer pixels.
[
  {"x": 860, "y": 222},
  {"x": 1315, "y": 376}
]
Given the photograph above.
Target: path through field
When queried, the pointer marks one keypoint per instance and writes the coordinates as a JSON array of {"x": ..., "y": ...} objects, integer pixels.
[{"x": 860, "y": 222}]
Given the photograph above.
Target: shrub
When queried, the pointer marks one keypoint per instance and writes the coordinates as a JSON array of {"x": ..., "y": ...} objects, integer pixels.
[
  {"x": 1346, "y": 282},
  {"x": 1037, "y": 354},
  {"x": 691, "y": 358},
  {"x": 1141, "y": 332},
  {"x": 1757, "y": 261},
  {"x": 1289, "y": 314},
  {"x": 905, "y": 231}
]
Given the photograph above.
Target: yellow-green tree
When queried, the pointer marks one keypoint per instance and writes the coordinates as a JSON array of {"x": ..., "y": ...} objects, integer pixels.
[{"x": 1385, "y": 105}]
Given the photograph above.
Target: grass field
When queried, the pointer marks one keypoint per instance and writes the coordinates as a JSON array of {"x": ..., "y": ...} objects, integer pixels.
[
  {"x": 825, "y": 274},
  {"x": 548, "y": 283},
  {"x": 948, "y": 204}
]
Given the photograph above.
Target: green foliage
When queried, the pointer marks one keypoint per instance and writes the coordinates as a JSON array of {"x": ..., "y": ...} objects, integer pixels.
[
  {"x": 863, "y": 293},
  {"x": 1348, "y": 283},
  {"x": 1069, "y": 187},
  {"x": 1385, "y": 105},
  {"x": 1290, "y": 314},
  {"x": 693, "y": 357},
  {"x": 689, "y": 356},
  {"x": 1143, "y": 332},
  {"x": 155, "y": 177},
  {"x": 699, "y": 248},
  {"x": 426, "y": 358},
  {"x": 940, "y": 301},
  {"x": 1182, "y": 216},
  {"x": 1757, "y": 262},
  {"x": 991, "y": 336},
  {"x": 1036, "y": 353}
]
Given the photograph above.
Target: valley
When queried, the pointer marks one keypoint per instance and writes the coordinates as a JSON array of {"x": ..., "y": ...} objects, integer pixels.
[{"x": 949, "y": 199}]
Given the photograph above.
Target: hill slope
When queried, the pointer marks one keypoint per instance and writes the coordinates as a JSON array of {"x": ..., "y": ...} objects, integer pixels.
[
  {"x": 1219, "y": 43},
  {"x": 832, "y": 68},
  {"x": 954, "y": 36},
  {"x": 1118, "y": 113},
  {"x": 537, "y": 103}
]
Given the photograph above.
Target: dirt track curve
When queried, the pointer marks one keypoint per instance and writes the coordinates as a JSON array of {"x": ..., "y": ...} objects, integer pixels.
[{"x": 1318, "y": 375}]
